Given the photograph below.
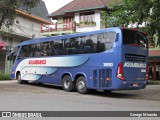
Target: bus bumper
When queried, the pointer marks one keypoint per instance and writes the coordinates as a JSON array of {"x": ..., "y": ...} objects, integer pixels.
[{"x": 130, "y": 85}]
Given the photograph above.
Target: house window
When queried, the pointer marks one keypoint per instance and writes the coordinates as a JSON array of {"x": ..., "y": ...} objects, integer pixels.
[{"x": 87, "y": 16}]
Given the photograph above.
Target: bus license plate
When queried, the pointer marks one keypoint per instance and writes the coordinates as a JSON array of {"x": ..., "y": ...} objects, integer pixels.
[{"x": 135, "y": 85}]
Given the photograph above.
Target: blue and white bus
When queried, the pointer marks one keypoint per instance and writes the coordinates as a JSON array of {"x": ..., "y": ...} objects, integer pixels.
[{"x": 109, "y": 59}]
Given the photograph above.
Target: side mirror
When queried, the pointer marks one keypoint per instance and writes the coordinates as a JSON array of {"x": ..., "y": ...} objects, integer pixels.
[{"x": 8, "y": 57}]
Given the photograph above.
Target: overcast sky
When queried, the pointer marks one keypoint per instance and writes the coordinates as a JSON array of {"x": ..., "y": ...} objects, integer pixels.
[{"x": 53, "y": 5}]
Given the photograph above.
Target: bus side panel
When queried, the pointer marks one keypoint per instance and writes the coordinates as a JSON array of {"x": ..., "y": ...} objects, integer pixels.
[
  {"x": 56, "y": 78},
  {"x": 105, "y": 78},
  {"x": 100, "y": 78},
  {"x": 93, "y": 77},
  {"x": 52, "y": 78}
]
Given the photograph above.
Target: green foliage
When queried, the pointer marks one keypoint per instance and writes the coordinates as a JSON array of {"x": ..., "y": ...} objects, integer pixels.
[
  {"x": 155, "y": 16},
  {"x": 104, "y": 17},
  {"x": 8, "y": 7},
  {"x": 4, "y": 77},
  {"x": 135, "y": 11}
]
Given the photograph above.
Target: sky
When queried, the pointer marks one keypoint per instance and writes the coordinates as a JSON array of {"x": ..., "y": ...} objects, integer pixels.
[{"x": 53, "y": 5}]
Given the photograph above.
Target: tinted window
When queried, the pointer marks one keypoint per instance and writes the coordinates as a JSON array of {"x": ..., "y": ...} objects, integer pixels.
[
  {"x": 56, "y": 47},
  {"x": 74, "y": 45},
  {"x": 94, "y": 43},
  {"x": 12, "y": 56},
  {"x": 105, "y": 41},
  {"x": 24, "y": 52},
  {"x": 136, "y": 38}
]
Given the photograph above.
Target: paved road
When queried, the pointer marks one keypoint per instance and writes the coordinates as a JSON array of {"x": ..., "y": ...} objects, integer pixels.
[
  {"x": 14, "y": 96},
  {"x": 31, "y": 97}
]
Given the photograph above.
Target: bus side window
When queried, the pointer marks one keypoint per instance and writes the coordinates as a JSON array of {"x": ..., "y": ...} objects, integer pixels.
[
  {"x": 44, "y": 49},
  {"x": 23, "y": 52},
  {"x": 91, "y": 44},
  {"x": 58, "y": 47},
  {"x": 100, "y": 46},
  {"x": 37, "y": 50},
  {"x": 81, "y": 44},
  {"x": 50, "y": 49},
  {"x": 88, "y": 46},
  {"x": 117, "y": 37},
  {"x": 32, "y": 49}
]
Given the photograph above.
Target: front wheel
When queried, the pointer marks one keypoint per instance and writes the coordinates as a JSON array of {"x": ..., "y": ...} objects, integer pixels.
[
  {"x": 20, "y": 81},
  {"x": 81, "y": 85}
]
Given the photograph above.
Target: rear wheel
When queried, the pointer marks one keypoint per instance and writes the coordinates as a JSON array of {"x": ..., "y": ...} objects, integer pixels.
[
  {"x": 81, "y": 85},
  {"x": 68, "y": 84},
  {"x": 20, "y": 81}
]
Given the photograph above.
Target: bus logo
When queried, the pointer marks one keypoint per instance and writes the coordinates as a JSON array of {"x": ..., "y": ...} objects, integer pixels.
[
  {"x": 37, "y": 62},
  {"x": 134, "y": 65}
]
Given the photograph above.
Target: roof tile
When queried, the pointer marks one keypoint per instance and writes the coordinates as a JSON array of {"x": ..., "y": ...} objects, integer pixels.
[{"x": 79, "y": 5}]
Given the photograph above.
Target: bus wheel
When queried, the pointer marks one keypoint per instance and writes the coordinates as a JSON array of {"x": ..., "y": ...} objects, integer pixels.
[
  {"x": 19, "y": 79},
  {"x": 81, "y": 85},
  {"x": 68, "y": 84}
]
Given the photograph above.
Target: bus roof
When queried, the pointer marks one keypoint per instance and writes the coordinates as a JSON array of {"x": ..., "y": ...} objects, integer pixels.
[{"x": 52, "y": 38}]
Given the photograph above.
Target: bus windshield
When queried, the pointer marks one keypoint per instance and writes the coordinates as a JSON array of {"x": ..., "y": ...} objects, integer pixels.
[
  {"x": 134, "y": 38},
  {"x": 12, "y": 56}
]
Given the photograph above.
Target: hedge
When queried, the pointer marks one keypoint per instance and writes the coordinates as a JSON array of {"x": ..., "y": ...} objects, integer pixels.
[{"x": 4, "y": 76}]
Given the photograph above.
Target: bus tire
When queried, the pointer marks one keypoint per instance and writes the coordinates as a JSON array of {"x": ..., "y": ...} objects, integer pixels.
[
  {"x": 20, "y": 81},
  {"x": 81, "y": 85},
  {"x": 67, "y": 83}
]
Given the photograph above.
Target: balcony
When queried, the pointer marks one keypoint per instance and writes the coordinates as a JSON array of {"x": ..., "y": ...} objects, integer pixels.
[{"x": 58, "y": 28}]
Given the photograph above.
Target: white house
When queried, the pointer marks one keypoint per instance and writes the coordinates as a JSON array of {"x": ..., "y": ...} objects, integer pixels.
[{"x": 77, "y": 16}]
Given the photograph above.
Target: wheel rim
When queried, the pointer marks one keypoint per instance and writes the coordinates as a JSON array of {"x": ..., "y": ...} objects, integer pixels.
[
  {"x": 67, "y": 83},
  {"x": 81, "y": 86},
  {"x": 19, "y": 77}
]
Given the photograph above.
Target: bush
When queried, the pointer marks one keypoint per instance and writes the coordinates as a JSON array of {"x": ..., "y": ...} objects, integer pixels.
[{"x": 4, "y": 76}]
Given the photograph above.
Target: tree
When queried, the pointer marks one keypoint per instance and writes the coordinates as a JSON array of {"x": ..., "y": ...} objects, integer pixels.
[
  {"x": 125, "y": 12},
  {"x": 155, "y": 16},
  {"x": 8, "y": 9}
]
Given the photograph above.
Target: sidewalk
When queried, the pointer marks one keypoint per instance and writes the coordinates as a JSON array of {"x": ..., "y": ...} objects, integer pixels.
[
  {"x": 7, "y": 81},
  {"x": 153, "y": 82}
]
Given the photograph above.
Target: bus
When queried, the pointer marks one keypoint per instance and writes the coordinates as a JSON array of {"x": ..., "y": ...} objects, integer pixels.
[{"x": 107, "y": 60}]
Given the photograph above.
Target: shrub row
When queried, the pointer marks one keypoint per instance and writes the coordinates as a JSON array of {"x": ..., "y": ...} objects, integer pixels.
[{"x": 4, "y": 76}]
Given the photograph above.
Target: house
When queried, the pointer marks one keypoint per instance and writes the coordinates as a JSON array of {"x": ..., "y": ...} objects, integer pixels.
[
  {"x": 77, "y": 16},
  {"x": 154, "y": 57},
  {"x": 26, "y": 26}
]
